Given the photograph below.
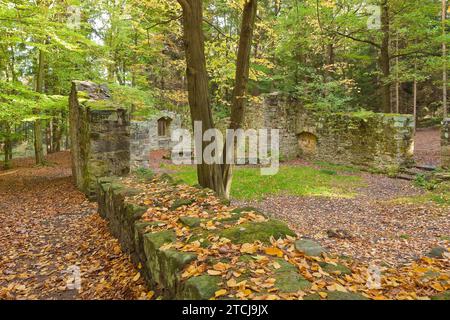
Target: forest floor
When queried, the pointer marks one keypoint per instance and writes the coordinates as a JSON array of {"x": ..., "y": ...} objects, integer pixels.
[
  {"x": 389, "y": 220},
  {"x": 48, "y": 227}
]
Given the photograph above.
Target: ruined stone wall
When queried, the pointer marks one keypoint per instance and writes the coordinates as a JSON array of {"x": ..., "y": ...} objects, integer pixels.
[
  {"x": 99, "y": 134},
  {"x": 145, "y": 138},
  {"x": 445, "y": 144},
  {"x": 381, "y": 141}
]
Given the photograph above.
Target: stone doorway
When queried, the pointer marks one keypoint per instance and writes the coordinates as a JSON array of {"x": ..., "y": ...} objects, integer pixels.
[{"x": 307, "y": 143}]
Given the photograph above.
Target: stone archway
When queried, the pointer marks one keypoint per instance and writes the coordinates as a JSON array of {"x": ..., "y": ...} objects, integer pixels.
[{"x": 307, "y": 143}]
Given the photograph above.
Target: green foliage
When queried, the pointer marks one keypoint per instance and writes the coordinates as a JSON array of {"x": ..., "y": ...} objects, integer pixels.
[{"x": 423, "y": 181}]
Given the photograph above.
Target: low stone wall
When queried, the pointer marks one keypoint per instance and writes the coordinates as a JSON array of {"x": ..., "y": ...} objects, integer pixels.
[
  {"x": 100, "y": 137},
  {"x": 372, "y": 140},
  {"x": 445, "y": 144},
  {"x": 187, "y": 241}
]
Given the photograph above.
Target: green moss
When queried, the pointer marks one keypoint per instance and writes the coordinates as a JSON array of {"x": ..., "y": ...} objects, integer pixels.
[
  {"x": 312, "y": 296},
  {"x": 337, "y": 295},
  {"x": 443, "y": 296},
  {"x": 247, "y": 209},
  {"x": 290, "y": 281},
  {"x": 144, "y": 174},
  {"x": 200, "y": 288},
  {"x": 190, "y": 221},
  {"x": 181, "y": 202},
  {"x": 338, "y": 268},
  {"x": 262, "y": 231},
  {"x": 134, "y": 212}
]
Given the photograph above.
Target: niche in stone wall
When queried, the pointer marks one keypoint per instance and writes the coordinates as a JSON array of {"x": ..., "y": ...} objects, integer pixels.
[
  {"x": 164, "y": 127},
  {"x": 307, "y": 143}
]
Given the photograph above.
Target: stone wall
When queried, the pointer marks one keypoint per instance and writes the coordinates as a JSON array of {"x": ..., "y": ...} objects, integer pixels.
[
  {"x": 99, "y": 135},
  {"x": 155, "y": 222},
  {"x": 145, "y": 137},
  {"x": 372, "y": 140},
  {"x": 445, "y": 144}
]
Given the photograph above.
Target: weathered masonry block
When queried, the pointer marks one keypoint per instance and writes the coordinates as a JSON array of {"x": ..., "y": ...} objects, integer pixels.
[
  {"x": 365, "y": 139},
  {"x": 445, "y": 144},
  {"x": 100, "y": 136}
]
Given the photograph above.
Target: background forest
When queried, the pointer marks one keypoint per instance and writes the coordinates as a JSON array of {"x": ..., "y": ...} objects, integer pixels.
[{"x": 336, "y": 55}]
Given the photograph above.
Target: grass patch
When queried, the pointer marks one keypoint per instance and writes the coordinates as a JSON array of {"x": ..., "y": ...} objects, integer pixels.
[
  {"x": 248, "y": 183},
  {"x": 439, "y": 198},
  {"x": 336, "y": 167}
]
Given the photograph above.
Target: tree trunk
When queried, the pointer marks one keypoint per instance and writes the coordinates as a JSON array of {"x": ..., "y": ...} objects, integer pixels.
[
  {"x": 57, "y": 134},
  {"x": 8, "y": 147},
  {"x": 38, "y": 150},
  {"x": 444, "y": 55},
  {"x": 241, "y": 82},
  {"x": 209, "y": 176},
  {"x": 397, "y": 81},
  {"x": 385, "y": 59}
]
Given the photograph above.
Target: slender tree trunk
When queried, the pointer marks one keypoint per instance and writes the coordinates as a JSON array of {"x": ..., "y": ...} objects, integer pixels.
[
  {"x": 56, "y": 137},
  {"x": 384, "y": 59},
  {"x": 397, "y": 81},
  {"x": 444, "y": 55},
  {"x": 241, "y": 83},
  {"x": 8, "y": 147},
  {"x": 38, "y": 150},
  {"x": 209, "y": 176}
]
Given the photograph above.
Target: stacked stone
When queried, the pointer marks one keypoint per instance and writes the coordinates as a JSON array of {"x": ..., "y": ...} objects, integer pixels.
[
  {"x": 99, "y": 134},
  {"x": 445, "y": 144}
]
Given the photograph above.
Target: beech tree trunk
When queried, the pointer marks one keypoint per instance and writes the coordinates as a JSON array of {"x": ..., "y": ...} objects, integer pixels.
[
  {"x": 7, "y": 147},
  {"x": 38, "y": 150},
  {"x": 241, "y": 83},
  {"x": 215, "y": 176},
  {"x": 384, "y": 59},
  {"x": 209, "y": 176},
  {"x": 444, "y": 55}
]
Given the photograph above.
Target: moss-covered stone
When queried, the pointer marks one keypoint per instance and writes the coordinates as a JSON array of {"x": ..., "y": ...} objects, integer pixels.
[
  {"x": 181, "y": 202},
  {"x": 233, "y": 218},
  {"x": 284, "y": 266},
  {"x": 338, "y": 268},
  {"x": 171, "y": 264},
  {"x": 290, "y": 281},
  {"x": 200, "y": 287},
  {"x": 262, "y": 231},
  {"x": 190, "y": 221},
  {"x": 134, "y": 212},
  {"x": 442, "y": 296},
  {"x": 247, "y": 209},
  {"x": 312, "y": 296},
  {"x": 151, "y": 243},
  {"x": 309, "y": 247},
  {"x": 437, "y": 252},
  {"x": 337, "y": 295}
]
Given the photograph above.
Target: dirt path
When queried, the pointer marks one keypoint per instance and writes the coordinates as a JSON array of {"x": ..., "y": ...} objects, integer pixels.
[
  {"x": 427, "y": 146},
  {"x": 374, "y": 228},
  {"x": 48, "y": 227}
]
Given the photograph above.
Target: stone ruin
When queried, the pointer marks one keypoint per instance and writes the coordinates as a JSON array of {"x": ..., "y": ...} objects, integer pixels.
[
  {"x": 372, "y": 140},
  {"x": 104, "y": 140},
  {"x": 150, "y": 135},
  {"x": 445, "y": 144}
]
